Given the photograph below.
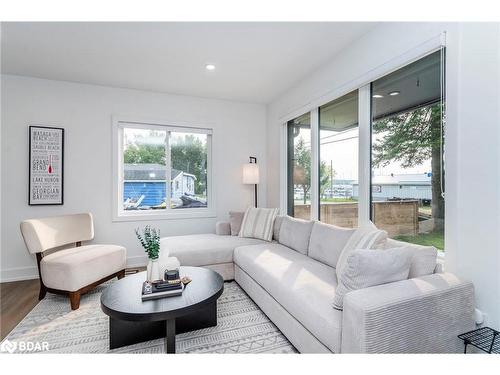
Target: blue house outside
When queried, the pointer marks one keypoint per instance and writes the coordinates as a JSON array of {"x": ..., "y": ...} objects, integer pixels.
[
  {"x": 145, "y": 186},
  {"x": 154, "y": 191}
]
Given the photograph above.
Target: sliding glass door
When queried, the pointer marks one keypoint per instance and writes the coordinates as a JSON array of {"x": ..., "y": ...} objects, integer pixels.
[
  {"x": 407, "y": 152},
  {"x": 299, "y": 167},
  {"x": 338, "y": 155},
  {"x": 400, "y": 186}
]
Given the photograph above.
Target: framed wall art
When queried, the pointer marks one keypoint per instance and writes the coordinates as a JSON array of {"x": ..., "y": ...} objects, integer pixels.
[{"x": 46, "y": 166}]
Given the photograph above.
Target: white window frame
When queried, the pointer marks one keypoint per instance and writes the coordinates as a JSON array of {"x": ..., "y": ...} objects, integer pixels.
[{"x": 119, "y": 214}]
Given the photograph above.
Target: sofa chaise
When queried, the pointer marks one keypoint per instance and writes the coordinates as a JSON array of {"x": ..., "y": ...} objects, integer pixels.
[{"x": 293, "y": 281}]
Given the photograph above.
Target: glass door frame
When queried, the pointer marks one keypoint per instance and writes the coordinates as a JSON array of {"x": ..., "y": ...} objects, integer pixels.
[
  {"x": 364, "y": 86},
  {"x": 364, "y": 160}
]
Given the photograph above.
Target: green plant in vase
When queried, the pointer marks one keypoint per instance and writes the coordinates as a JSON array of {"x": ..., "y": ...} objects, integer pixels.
[{"x": 150, "y": 241}]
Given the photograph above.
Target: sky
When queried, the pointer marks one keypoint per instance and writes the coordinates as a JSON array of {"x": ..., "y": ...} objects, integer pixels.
[{"x": 157, "y": 137}]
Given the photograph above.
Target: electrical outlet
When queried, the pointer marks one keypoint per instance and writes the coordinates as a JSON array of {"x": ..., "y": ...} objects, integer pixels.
[
  {"x": 485, "y": 320},
  {"x": 479, "y": 317}
]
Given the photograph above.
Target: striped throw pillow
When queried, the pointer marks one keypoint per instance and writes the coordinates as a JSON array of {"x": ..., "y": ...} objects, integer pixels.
[
  {"x": 258, "y": 223},
  {"x": 365, "y": 237}
]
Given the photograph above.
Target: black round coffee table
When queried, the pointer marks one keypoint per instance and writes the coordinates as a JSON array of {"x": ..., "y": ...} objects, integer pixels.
[{"x": 132, "y": 321}]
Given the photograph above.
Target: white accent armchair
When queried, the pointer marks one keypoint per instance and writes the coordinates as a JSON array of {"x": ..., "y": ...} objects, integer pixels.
[{"x": 71, "y": 270}]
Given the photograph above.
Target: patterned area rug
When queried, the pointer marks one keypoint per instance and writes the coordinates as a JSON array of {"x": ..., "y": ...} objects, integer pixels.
[{"x": 242, "y": 328}]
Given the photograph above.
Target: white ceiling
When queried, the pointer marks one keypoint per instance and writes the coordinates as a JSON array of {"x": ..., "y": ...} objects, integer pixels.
[{"x": 255, "y": 62}]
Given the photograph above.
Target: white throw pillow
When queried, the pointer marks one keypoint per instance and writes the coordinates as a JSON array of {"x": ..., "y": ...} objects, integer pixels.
[
  {"x": 364, "y": 237},
  {"x": 258, "y": 223},
  {"x": 365, "y": 268}
]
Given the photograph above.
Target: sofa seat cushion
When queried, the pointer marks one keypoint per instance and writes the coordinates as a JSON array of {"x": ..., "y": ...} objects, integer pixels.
[
  {"x": 202, "y": 249},
  {"x": 74, "y": 268},
  {"x": 303, "y": 286}
]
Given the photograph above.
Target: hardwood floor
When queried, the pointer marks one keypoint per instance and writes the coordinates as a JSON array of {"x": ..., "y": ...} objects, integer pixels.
[{"x": 18, "y": 298}]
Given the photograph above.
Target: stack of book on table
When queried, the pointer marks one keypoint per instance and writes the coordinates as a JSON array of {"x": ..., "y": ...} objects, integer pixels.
[{"x": 161, "y": 289}]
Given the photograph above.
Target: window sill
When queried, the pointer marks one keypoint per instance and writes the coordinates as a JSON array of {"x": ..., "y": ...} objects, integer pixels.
[{"x": 187, "y": 213}]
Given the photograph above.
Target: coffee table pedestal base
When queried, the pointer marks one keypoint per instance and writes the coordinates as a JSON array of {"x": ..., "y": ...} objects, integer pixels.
[
  {"x": 126, "y": 332},
  {"x": 170, "y": 337}
]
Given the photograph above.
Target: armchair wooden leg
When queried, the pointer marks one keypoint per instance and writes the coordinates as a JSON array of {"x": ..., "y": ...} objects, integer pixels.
[
  {"x": 43, "y": 291},
  {"x": 121, "y": 274},
  {"x": 74, "y": 298}
]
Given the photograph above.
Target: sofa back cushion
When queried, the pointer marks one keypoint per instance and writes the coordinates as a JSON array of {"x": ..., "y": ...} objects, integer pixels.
[
  {"x": 366, "y": 268},
  {"x": 235, "y": 220},
  {"x": 424, "y": 258},
  {"x": 277, "y": 226},
  {"x": 258, "y": 223},
  {"x": 366, "y": 236},
  {"x": 327, "y": 241},
  {"x": 295, "y": 234}
]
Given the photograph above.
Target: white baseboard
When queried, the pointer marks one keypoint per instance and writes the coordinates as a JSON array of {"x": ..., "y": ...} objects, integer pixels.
[
  {"x": 18, "y": 274},
  {"x": 137, "y": 261},
  {"x": 30, "y": 273}
]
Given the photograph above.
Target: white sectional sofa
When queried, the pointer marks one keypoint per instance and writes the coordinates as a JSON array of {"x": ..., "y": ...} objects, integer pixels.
[{"x": 295, "y": 285}]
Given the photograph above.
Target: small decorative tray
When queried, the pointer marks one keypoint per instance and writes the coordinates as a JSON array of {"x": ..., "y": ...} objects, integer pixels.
[{"x": 487, "y": 339}]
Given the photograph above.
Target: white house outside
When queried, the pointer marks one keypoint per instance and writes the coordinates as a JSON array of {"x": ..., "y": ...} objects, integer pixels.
[{"x": 401, "y": 186}]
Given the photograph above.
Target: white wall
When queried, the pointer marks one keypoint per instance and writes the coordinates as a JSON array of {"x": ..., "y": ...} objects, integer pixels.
[
  {"x": 472, "y": 141},
  {"x": 473, "y": 164},
  {"x": 85, "y": 112}
]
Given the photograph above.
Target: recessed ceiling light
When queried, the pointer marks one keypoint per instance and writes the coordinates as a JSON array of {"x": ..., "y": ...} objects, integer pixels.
[
  {"x": 210, "y": 67},
  {"x": 394, "y": 93},
  {"x": 378, "y": 96}
]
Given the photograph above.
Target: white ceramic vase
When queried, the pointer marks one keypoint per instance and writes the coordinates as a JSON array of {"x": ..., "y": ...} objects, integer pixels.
[{"x": 153, "y": 270}]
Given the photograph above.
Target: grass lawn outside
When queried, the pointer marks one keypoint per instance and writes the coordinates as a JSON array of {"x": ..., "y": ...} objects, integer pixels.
[
  {"x": 298, "y": 202},
  {"x": 337, "y": 200},
  {"x": 435, "y": 239}
]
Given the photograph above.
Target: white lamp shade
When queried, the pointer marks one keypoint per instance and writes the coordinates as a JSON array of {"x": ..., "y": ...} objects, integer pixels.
[{"x": 250, "y": 173}]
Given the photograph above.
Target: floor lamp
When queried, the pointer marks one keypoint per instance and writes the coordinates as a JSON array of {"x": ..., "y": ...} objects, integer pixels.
[{"x": 251, "y": 174}]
